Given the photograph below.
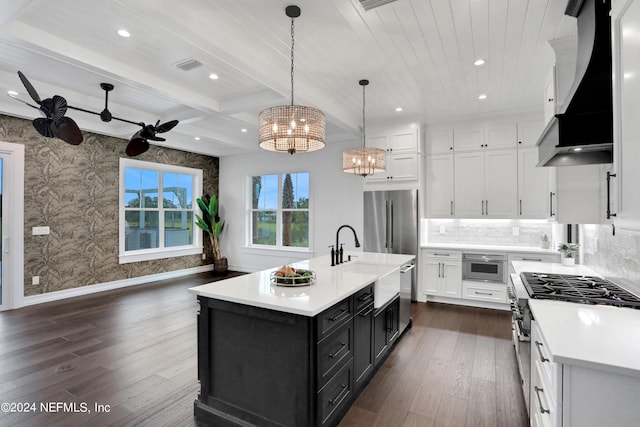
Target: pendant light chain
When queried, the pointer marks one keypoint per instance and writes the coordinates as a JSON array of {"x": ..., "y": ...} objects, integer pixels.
[
  {"x": 364, "y": 128},
  {"x": 292, "y": 49}
]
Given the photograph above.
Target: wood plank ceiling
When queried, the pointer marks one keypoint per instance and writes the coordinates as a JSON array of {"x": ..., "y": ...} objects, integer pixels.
[{"x": 418, "y": 54}]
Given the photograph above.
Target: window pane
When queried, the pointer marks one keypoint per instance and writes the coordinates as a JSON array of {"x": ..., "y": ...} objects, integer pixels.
[
  {"x": 264, "y": 228},
  {"x": 140, "y": 184},
  {"x": 264, "y": 190},
  {"x": 178, "y": 228},
  {"x": 141, "y": 230},
  {"x": 295, "y": 190},
  {"x": 177, "y": 190},
  {"x": 295, "y": 229}
]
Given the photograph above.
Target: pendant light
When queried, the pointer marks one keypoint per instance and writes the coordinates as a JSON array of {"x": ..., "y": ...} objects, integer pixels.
[
  {"x": 366, "y": 160},
  {"x": 291, "y": 128}
]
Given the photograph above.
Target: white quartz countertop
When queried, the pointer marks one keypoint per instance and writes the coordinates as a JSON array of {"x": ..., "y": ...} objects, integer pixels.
[
  {"x": 591, "y": 336},
  {"x": 484, "y": 248},
  {"x": 332, "y": 284}
]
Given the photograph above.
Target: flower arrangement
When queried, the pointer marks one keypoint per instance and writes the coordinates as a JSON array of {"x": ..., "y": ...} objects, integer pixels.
[{"x": 569, "y": 250}]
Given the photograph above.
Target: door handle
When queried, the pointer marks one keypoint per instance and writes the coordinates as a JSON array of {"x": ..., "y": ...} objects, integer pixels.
[
  {"x": 609, "y": 176},
  {"x": 551, "y": 194},
  {"x": 486, "y": 207},
  {"x": 386, "y": 224},
  {"x": 483, "y": 207},
  {"x": 443, "y": 270},
  {"x": 452, "y": 208},
  {"x": 520, "y": 207},
  {"x": 391, "y": 225}
]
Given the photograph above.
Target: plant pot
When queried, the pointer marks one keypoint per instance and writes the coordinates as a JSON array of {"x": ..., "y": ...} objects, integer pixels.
[
  {"x": 568, "y": 261},
  {"x": 221, "y": 265}
]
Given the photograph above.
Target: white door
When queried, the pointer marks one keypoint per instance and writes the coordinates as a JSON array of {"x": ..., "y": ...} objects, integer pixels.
[
  {"x": 403, "y": 167},
  {"x": 534, "y": 185},
  {"x": 469, "y": 185},
  {"x": 452, "y": 279},
  {"x": 468, "y": 139},
  {"x": 404, "y": 142},
  {"x": 11, "y": 225},
  {"x": 504, "y": 136},
  {"x": 439, "y": 172},
  {"x": 432, "y": 281},
  {"x": 500, "y": 184}
]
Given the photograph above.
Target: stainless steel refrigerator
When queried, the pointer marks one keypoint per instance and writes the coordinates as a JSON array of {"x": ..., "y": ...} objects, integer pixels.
[{"x": 391, "y": 226}]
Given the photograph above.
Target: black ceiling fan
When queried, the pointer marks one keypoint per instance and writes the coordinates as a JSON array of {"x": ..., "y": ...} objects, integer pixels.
[
  {"x": 54, "y": 124},
  {"x": 139, "y": 142}
]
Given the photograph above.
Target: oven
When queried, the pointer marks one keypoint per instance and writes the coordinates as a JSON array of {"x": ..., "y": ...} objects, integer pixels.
[{"x": 484, "y": 267}]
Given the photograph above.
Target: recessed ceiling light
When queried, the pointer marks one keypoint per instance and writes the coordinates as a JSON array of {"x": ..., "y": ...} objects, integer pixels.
[
  {"x": 483, "y": 96},
  {"x": 243, "y": 130},
  {"x": 12, "y": 93},
  {"x": 197, "y": 138},
  {"x": 213, "y": 76},
  {"x": 123, "y": 33},
  {"x": 478, "y": 62},
  {"x": 398, "y": 109}
]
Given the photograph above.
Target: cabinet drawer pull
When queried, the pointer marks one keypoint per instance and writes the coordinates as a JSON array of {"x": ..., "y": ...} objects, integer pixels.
[
  {"x": 337, "y": 316},
  {"x": 483, "y": 293},
  {"x": 366, "y": 313},
  {"x": 338, "y": 351},
  {"x": 542, "y": 358},
  {"x": 365, "y": 297},
  {"x": 452, "y": 208},
  {"x": 336, "y": 399},
  {"x": 542, "y": 410},
  {"x": 532, "y": 259}
]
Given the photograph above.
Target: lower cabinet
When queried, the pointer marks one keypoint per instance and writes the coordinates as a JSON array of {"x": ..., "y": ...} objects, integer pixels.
[
  {"x": 484, "y": 291},
  {"x": 443, "y": 273},
  {"x": 363, "y": 354},
  {"x": 386, "y": 329}
]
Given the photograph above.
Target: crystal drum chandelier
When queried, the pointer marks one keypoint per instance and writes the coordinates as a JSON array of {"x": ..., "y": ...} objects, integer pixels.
[
  {"x": 363, "y": 160},
  {"x": 291, "y": 128}
]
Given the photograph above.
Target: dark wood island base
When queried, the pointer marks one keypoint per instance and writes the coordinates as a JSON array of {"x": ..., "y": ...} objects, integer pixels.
[{"x": 258, "y": 366}]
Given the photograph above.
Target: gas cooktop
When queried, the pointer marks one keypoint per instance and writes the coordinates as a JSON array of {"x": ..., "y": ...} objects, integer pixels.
[{"x": 580, "y": 289}]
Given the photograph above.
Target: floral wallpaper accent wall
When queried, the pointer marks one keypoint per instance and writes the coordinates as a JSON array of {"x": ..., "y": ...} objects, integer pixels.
[{"x": 74, "y": 191}]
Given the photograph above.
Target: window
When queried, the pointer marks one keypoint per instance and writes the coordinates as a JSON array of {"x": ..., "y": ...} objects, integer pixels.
[
  {"x": 280, "y": 210},
  {"x": 157, "y": 210}
]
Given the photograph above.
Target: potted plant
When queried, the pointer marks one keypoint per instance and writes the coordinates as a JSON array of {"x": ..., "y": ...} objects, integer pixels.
[
  {"x": 210, "y": 223},
  {"x": 569, "y": 253},
  {"x": 544, "y": 242}
]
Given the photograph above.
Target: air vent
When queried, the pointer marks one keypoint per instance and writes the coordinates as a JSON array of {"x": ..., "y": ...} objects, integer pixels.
[
  {"x": 188, "y": 64},
  {"x": 370, "y": 4}
]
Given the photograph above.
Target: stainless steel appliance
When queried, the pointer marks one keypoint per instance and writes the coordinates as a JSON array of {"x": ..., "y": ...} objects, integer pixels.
[
  {"x": 560, "y": 287},
  {"x": 484, "y": 267},
  {"x": 406, "y": 274},
  {"x": 391, "y": 226}
]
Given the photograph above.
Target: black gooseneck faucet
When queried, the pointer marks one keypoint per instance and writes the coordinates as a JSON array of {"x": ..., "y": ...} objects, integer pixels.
[{"x": 338, "y": 259}]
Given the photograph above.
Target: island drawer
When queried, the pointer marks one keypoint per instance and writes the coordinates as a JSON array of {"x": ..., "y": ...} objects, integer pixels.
[
  {"x": 333, "y": 352},
  {"x": 331, "y": 319},
  {"x": 363, "y": 298},
  {"x": 334, "y": 398}
]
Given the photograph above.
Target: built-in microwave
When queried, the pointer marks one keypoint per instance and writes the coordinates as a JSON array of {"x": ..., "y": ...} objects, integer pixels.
[{"x": 484, "y": 267}]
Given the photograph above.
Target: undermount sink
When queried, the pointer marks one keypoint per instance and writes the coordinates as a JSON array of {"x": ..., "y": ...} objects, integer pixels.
[
  {"x": 366, "y": 268},
  {"x": 388, "y": 284}
]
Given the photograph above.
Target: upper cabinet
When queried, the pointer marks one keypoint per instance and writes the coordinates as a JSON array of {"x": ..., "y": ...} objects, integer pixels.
[
  {"x": 439, "y": 142},
  {"x": 439, "y": 172},
  {"x": 502, "y": 136},
  {"x": 471, "y": 139},
  {"x": 626, "y": 108},
  {"x": 535, "y": 189},
  {"x": 529, "y": 132},
  {"x": 402, "y": 144}
]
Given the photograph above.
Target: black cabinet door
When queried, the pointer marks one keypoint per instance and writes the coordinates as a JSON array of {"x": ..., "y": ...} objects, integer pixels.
[
  {"x": 381, "y": 323},
  {"x": 363, "y": 345},
  {"x": 394, "y": 321}
]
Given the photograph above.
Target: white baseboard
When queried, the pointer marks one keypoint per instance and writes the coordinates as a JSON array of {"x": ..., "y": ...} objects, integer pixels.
[
  {"x": 468, "y": 302},
  {"x": 108, "y": 286}
]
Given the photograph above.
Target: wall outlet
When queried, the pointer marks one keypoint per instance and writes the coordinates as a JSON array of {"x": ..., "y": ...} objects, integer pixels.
[
  {"x": 35, "y": 280},
  {"x": 516, "y": 231},
  {"x": 442, "y": 229}
]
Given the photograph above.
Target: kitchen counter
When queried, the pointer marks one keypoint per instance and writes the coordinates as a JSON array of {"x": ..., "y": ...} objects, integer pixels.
[
  {"x": 332, "y": 284},
  {"x": 589, "y": 336},
  {"x": 488, "y": 248}
]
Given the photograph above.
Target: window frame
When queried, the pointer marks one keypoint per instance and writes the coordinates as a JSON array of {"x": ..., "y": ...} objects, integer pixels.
[
  {"x": 195, "y": 248},
  {"x": 279, "y": 211}
]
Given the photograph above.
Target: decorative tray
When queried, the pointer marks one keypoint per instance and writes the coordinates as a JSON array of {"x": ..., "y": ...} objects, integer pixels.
[{"x": 288, "y": 276}]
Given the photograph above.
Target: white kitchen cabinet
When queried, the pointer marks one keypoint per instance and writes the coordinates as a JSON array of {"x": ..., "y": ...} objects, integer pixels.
[
  {"x": 626, "y": 110},
  {"x": 577, "y": 197},
  {"x": 550, "y": 96},
  {"x": 439, "y": 142},
  {"x": 529, "y": 133},
  {"x": 468, "y": 139},
  {"x": 486, "y": 184},
  {"x": 534, "y": 185},
  {"x": 399, "y": 139},
  {"x": 501, "y": 136},
  {"x": 484, "y": 291},
  {"x": 442, "y": 273},
  {"x": 440, "y": 184},
  {"x": 400, "y": 167}
]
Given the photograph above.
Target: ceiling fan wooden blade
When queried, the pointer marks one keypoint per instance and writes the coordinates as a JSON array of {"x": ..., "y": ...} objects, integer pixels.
[
  {"x": 68, "y": 131},
  {"x": 30, "y": 89},
  {"x": 137, "y": 145},
  {"x": 58, "y": 107},
  {"x": 166, "y": 127},
  {"x": 43, "y": 126}
]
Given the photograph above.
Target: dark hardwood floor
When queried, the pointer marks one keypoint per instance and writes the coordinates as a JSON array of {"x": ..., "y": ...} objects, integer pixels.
[{"x": 133, "y": 351}]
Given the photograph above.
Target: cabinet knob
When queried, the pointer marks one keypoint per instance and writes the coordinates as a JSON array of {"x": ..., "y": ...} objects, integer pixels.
[
  {"x": 519, "y": 142},
  {"x": 550, "y": 99}
]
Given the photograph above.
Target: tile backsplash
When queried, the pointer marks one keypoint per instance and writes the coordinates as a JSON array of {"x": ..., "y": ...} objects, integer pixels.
[
  {"x": 487, "y": 232},
  {"x": 615, "y": 257}
]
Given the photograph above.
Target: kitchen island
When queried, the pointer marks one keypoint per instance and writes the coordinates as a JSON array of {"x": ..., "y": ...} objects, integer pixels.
[{"x": 274, "y": 355}]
